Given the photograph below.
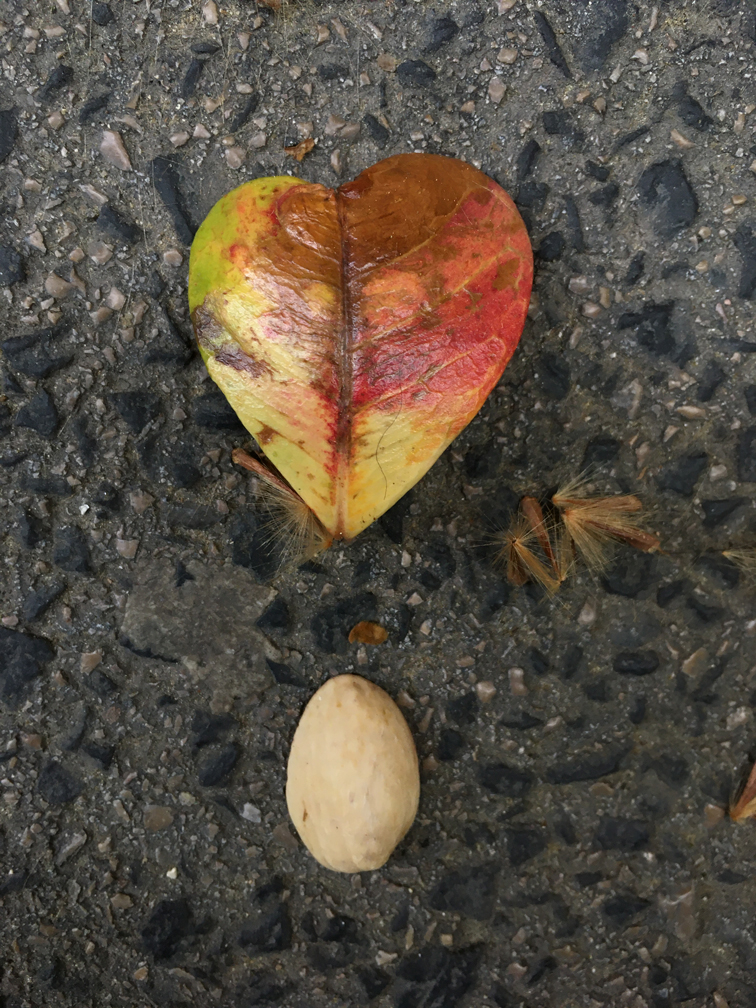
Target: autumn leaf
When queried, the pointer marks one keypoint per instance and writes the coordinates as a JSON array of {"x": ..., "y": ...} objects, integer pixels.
[
  {"x": 299, "y": 150},
  {"x": 357, "y": 331},
  {"x": 366, "y": 632}
]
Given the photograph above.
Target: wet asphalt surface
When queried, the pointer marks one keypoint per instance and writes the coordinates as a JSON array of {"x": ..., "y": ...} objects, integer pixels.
[{"x": 578, "y": 752}]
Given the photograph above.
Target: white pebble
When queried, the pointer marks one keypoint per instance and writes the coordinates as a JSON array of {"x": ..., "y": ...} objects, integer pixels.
[
  {"x": 116, "y": 299},
  {"x": 113, "y": 150},
  {"x": 172, "y": 257},
  {"x": 127, "y": 548},
  {"x": 210, "y": 12},
  {"x": 235, "y": 156},
  {"x": 517, "y": 682},
  {"x": 179, "y": 139}
]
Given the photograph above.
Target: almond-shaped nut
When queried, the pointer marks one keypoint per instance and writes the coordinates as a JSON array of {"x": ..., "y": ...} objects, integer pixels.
[{"x": 352, "y": 783}]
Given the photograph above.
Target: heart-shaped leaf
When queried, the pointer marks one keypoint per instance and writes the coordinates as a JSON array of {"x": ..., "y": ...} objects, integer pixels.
[{"x": 356, "y": 331}]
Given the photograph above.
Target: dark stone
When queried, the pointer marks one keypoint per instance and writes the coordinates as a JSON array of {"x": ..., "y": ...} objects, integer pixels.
[
  {"x": 750, "y": 398},
  {"x": 501, "y": 996},
  {"x": 20, "y": 659},
  {"x": 560, "y": 122},
  {"x": 638, "y": 710},
  {"x": 463, "y": 710},
  {"x": 631, "y": 137},
  {"x": 442, "y": 31},
  {"x": 594, "y": 36},
  {"x": 276, "y": 616},
  {"x": 376, "y": 129},
  {"x": 597, "y": 171},
  {"x": 541, "y": 969},
  {"x": 538, "y": 661},
  {"x": 8, "y": 132},
  {"x": 270, "y": 933},
  {"x": 248, "y": 109},
  {"x": 553, "y": 375},
  {"x": 573, "y": 655},
  {"x": 524, "y": 844},
  {"x": 56, "y": 785},
  {"x": 671, "y": 769},
  {"x": 332, "y": 71},
  {"x": 730, "y": 877},
  {"x": 653, "y": 327},
  {"x": 191, "y": 78},
  {"x": 597, "y": 690},
  {"x": 681, "y": 476},
  {"x": 115, "y": 223},
  {"x": 705, "y": 611},
  {"x": 590, "y": 766},
  {"x": 193, "y": 516},
  {"x": 415, "y": 73},
  {"x": 392, "y": 522},
  {"x": 205, "y": 48},
  {"x": 718, "y": 511},
  {"x": 745, "y": 243},
  {"x": 11, "y": 266},
  {"x": 450, "y": 744},
  {"x": 509, "y": 782},
  {"x": 59, "y": 77},
  {"x": 621, "y": 909},
  {"x": 171, "y": 347},
  {"x": 47, "y": 486},
  {"x": 630, "y": 574},
  {"x": 526, "y": 160},
  {"x": 29, "y": 530},
  {"x": 605, "y": 196},
  {"x": 746, "y": 455},
  {"x": 34, "y": 355},
  {"x": 401, "y": 918},
  {"x": 469, "y": 891},
  {"x": 551, "y": 247},
  {"x": 107, "y": 497},
  {"x": 101, "y": 684},
  {"x": 13, "y": 882},
  {"x": 262, "y": 992},
  {"x": 209, "y": 728},
  {"x": 37, "y": 601},
  {"x": 136, "y": 408},
  {"x": 251, "y": 546},
  {"x": 166, "y": 183},
  {"x": 566, "y": 831},
  {"x": 532, "y": 196},
  {"x": 102, "y": 15},
  {"x": 622, "y": 834},
  {"x": 587, "y": 879},
  {"x": 341, "y": 929},
  {"x": 637, "y": 663},
  {"x": 212, "y": 411},
  {"x": 720, "y": 568},
  {"x": 216, "y": 769},
  {"x": 665, "y": 190},
  {"x": 167, "y": 925},
  {"x": 709, "y": 382},
  {"x": 521, "y": 721},
  {"x": 553, "y": 49},
  {"x": 374, "y": 981},
  {"x": 70, "y": 551},
  {"x": 494, "y": 600},
  {"x": 574, "y": 227},
  {"x": 635, "y": 269},
  {"x": 691, "y": 111},
  {"x": 284, "y": 676},
  {"x": 449, "y": 976},
  {"x": 94, "y": 104},
  {"x": 174, "y": 464},
  {"x": 102, "y": 754},
  {"x": 39, "y": 415},
  {"x": 86, "y": 443},
  {"x": 601, "y": 450}
]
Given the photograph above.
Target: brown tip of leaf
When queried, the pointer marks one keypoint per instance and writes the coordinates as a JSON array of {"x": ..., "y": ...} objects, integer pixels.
[
  {"x": 366, "y": 632},
  {"x": 745, "y": 806},
  {"x": 299, "y": 150}
]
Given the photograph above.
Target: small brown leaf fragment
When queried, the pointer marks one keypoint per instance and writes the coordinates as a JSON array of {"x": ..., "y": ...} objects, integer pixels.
[
  {"x": 365, "y": 632},
  {"x": 745, "y": 806},
  {"x": 299, "y": 150}
]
